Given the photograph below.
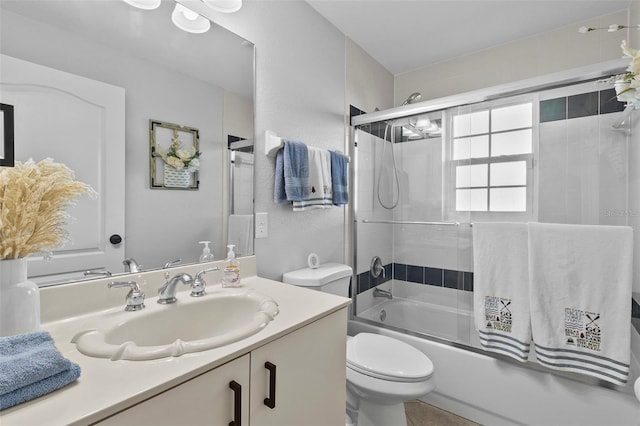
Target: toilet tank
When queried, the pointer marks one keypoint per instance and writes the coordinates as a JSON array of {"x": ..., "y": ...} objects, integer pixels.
[{"x": 331, "y": 278}]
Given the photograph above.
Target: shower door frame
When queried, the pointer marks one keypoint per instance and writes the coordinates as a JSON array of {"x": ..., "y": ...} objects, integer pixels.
[{"x": 537, "y": 84}]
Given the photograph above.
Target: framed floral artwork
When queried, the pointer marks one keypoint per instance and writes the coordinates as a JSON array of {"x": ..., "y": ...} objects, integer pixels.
[{"x": 175, "y": 156}]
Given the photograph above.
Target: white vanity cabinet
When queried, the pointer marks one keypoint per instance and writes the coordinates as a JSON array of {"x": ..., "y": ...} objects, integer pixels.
[
  {"x": 310, "y": 376},
  {"x": 204, "y": 400},
  {"x": 298, "y": 379}
]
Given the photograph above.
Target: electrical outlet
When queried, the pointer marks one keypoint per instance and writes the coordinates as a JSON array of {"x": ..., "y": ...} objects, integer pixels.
[{"x": 262, "y": 225}]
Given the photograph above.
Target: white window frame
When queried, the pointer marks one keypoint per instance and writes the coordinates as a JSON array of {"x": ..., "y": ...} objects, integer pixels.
[{"x": 449, "y": 183}]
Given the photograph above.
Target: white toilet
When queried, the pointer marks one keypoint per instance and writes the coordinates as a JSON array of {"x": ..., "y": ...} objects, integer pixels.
[{"x": 382, "y": 372}]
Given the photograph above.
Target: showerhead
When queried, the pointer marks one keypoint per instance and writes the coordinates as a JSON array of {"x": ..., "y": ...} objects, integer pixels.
[{"x": 414, "y": 97}]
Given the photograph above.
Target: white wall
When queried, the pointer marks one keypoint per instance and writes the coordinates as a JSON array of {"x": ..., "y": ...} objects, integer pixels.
[
  {"x": 300, "y": 94},
  {"x": 369, "y": 84},
  {"x": 238, "y": 116},
  {"x": 161, "y": 225},
  {"x": 561, "y": 49}
]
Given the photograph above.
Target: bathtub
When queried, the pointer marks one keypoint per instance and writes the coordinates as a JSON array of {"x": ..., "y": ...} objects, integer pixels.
[
  {"x": 422, "y": 317},
  {"x": 493, "y": 390}
]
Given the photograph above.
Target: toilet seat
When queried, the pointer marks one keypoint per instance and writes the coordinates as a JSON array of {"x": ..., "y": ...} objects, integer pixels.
[{"x": 386, "y": 358}]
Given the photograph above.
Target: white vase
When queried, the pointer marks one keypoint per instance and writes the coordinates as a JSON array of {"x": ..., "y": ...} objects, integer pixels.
[
  {"x": 174, "y": 178},
  {"x": 19, "y": 299}
]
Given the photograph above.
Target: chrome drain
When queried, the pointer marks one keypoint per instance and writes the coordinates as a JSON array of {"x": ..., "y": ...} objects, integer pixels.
[{"x": 383, "y": 315}]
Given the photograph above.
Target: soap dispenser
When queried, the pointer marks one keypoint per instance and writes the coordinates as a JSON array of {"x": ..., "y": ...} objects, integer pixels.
[
  {"x": 206, "y": 255},
  {"x": 231, "y": 273}
]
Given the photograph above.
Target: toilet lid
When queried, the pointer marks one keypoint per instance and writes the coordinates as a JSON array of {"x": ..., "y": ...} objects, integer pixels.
[{"x": 386, "y": 358}]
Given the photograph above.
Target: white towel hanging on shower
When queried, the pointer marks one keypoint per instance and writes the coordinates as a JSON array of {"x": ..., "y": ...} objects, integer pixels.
[
  {"x": 580, "y": 287},
  {"x": 500, "y": 288}
]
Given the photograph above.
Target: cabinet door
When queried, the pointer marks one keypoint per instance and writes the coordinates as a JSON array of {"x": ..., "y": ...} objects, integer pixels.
[
  {"x": 203, "y": 400},
  {"x": 310, "y": 376}
]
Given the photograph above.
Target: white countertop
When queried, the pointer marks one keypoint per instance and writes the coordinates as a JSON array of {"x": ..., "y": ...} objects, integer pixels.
[{"x": 106, "y": 387}]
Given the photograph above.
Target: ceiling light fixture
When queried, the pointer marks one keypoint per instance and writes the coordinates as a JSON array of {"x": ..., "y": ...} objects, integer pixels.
[
  {"x": 224, "y": 6},
  {"x": 144, "y": 4},
  {"x": 189, "y": 21}
]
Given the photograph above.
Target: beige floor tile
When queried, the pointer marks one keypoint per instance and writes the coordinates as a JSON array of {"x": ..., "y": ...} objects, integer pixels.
[{"x": 422, "y": 414}]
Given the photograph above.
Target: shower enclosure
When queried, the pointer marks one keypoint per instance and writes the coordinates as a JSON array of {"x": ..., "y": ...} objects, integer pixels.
[{"x": 424, "y": 173}]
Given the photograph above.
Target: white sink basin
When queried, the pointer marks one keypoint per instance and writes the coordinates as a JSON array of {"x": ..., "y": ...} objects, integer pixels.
[{"x": 189, "y": 325}]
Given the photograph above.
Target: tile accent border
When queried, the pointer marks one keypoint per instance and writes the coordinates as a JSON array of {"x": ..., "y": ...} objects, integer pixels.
[
  {"x": 581, "y": 105},
  {"x": 459, "y": 280}
]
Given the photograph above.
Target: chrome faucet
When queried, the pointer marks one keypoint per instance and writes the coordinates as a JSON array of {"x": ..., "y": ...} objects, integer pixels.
[
  {"x": 130, "y": 265},
  {"x": 135, "y": 297},
  {"x": 167, "y": 293},
  {"x": 199, "y": 284},
  {"x": 378, "y": 292}
]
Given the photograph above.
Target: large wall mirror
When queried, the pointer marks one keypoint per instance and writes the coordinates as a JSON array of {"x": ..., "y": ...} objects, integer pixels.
[{"x": 85, "y": 78}]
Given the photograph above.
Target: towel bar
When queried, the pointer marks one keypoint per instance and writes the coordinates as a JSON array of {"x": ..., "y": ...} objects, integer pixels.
[
  {"x": 409, "y": 222},
  {"x": 272, "y": 143}
]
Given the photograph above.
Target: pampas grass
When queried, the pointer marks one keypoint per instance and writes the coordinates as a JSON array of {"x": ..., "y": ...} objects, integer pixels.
[{"x": 34, "y": 198}]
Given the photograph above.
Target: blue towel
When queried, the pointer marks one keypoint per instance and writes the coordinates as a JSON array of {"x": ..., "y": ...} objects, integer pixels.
[
  {"x": 40, "y": 388},
  {"x": 340, "y": 178},
  {"x": 30, "y": 366},
  {"x": 279, "y": 194},
  {"x": 296, "y": 171}
]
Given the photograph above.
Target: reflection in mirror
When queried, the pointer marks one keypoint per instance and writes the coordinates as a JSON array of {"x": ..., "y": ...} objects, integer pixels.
[
  {"x": 85, "y": 79},
  {"x": 178, "y": 160},
  {"x": 240, "y": 195}
]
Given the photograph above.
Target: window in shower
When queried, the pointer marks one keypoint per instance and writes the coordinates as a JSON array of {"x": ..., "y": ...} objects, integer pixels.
[{"x": 491, "y": 157}]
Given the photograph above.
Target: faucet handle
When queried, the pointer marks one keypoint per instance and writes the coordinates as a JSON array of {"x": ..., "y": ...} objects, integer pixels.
[
  {"x": 199, "y": 284},
  {"x": 167, "y": 265},
  {"x": 171, "y": 262},
  {"x": 376, "y": 267},
  {"x": 135, "y": 297},
  {"x": 104, "y": 272}
]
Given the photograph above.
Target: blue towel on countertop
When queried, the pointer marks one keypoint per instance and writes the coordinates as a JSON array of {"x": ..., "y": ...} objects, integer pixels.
[
  {"x": 40, "y": 388},
  {"x": 340, "y": 178},
  {"x": 296, "y": 171},
  {"x": 31, "y": 366},
  {"x": 279, "y": 194}
]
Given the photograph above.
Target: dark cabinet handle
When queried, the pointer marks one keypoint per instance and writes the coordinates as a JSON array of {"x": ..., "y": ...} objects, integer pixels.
[
  {"x": 115, "y": 239},
  {"x": 271, "y": 400},
  {"x": 237, "y": 403}
]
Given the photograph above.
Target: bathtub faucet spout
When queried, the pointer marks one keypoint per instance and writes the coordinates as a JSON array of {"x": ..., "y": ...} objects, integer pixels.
[{"x": 378, "y": 292}]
